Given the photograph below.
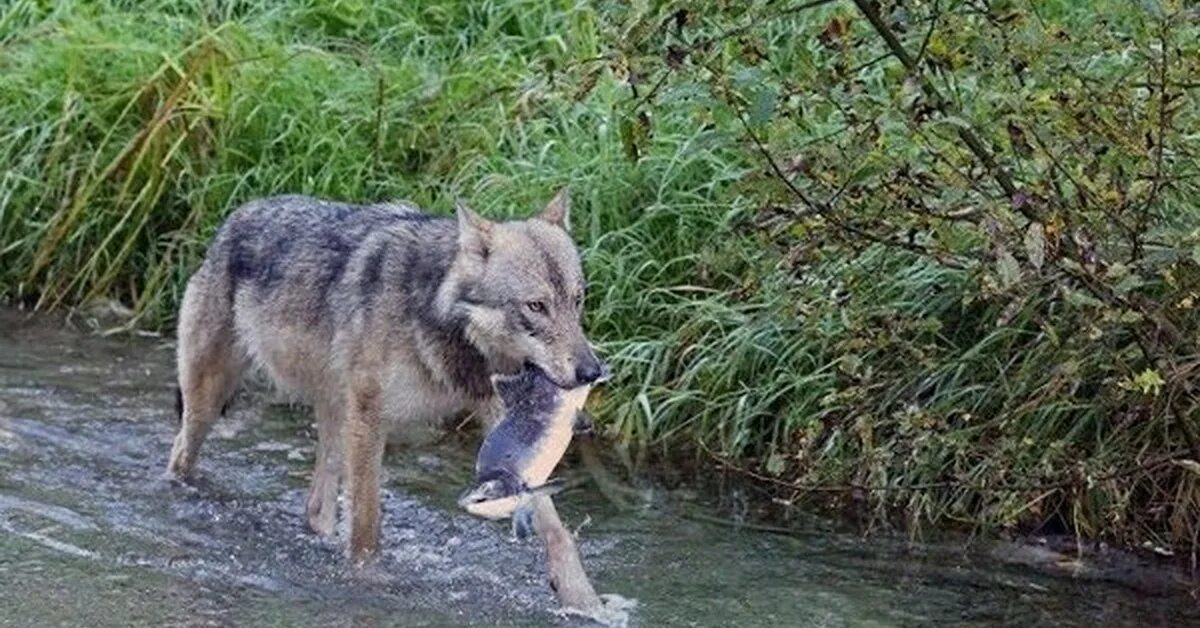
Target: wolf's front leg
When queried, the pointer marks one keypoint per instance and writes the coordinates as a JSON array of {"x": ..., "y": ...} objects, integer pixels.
[
  {"x": 564, "y": 568},
  {"x": 363, "y": 440},
  {"x": 327, "y": 472}
]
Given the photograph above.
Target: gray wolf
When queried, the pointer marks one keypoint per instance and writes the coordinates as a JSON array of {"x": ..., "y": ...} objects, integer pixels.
[
  {"x": 519, "y": 454},
  {"x": 382, "y": 316}
]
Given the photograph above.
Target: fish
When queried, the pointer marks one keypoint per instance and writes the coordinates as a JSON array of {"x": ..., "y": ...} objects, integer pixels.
[{"x": 518, "y": 455}]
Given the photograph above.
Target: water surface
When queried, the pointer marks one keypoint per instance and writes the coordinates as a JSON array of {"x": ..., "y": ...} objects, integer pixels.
[{"x": 91, "y": 535}]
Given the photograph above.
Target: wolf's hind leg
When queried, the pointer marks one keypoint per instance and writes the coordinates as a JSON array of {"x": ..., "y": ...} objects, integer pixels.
[
  {"x": 327, "y": 473},
  {"x": 209, "y": 367}
]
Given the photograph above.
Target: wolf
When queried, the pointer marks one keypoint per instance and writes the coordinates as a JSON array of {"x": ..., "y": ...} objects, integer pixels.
[{"x": 382, "y": 316}]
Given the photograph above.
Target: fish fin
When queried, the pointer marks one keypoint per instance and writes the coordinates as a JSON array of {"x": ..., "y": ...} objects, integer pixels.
[
  {"x": 522, "y": 522},
  {"x": 550, "y": 487}
]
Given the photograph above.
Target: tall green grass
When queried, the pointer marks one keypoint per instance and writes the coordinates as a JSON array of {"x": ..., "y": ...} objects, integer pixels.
[{"x": 873, "y": 378}]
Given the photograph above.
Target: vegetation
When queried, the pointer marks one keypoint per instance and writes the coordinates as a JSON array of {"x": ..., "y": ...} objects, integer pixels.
[{"x": 935, "y": 260}]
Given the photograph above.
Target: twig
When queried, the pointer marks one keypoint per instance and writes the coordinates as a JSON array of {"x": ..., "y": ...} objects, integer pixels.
[
  {"x": 968, "y": 136},
  {"x": 937, "y": 14},
  {"x": 707, "y": 42},
  {"x": 1144, "y": 215},
  {"x": 826, "y": 210}
]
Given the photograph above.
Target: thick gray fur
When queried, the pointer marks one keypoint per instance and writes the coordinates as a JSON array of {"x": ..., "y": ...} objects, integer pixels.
[{"x": 380, "y": 316}]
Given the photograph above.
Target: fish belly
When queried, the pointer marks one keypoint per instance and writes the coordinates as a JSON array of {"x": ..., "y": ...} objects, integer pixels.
[{"x": 558, "y": 436}]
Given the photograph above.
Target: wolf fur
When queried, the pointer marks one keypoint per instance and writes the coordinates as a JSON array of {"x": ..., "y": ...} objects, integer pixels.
[{"x": 381, "y": 316}]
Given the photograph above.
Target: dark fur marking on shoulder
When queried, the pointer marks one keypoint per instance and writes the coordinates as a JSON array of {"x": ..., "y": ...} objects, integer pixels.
[
  {"x": 274, "y": 262},
  {"x": 467, "y": 368},
  {"x": 372, "y": 274},
  {"x": 240, "y": 260},
  {"x": 338, "y": 211},
  {"x": 424, "y": 269},
  {"x": 341, "y": 248}
]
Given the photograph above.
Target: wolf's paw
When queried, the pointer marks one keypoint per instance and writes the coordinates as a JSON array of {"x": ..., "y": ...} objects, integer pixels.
[
  {"x": 613, "y": 611},
  {"x": 322, "y": 523},
  {"x": 368, "y": 572},
  {"x": 171, "y": 480}
]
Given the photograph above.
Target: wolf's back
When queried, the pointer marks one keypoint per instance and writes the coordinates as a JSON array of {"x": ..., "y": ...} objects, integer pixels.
[{"x": 301, "y": 251}]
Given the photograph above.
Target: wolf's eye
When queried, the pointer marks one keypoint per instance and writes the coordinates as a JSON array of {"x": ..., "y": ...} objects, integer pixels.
[{"x": 537, "y": 307}]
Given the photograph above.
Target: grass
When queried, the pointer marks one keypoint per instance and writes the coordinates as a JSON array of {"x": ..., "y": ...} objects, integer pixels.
[{"x": 861, "y": 375}]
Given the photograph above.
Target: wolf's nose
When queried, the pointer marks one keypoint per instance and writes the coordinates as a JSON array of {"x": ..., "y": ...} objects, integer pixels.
[{"x": 588, "y": 371}]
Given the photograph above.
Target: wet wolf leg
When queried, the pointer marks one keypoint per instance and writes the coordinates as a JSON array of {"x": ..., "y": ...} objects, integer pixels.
[
  {"x": 209, "y": 367},
  {"x": 364, "y": 444},
  {"x": 327, "y": 473}
]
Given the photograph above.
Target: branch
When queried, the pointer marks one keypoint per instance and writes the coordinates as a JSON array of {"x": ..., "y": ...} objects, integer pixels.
[
  {"x": 967, "y": 135},
  {"x": 825, "y": 209},
  {"x": 707, "y": 42},
  {"x": 734, "y": 32},
  {"x": 1156, "y": 186}
]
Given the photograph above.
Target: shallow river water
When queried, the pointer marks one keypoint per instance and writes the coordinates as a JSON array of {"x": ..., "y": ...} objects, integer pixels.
[{"x": 91, "y": 536}]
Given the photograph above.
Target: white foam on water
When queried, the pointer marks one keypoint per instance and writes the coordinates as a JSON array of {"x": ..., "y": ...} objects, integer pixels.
[{"x": 613, "y": 612}]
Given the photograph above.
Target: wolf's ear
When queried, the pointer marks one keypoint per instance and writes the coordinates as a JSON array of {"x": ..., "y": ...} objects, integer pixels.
[
  {"x": 558, "y": 212},
  {"x": 474, "y": 232}
]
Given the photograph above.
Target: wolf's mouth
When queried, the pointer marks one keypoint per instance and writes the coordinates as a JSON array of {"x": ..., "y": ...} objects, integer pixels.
[{"x": 537, "y": 370}]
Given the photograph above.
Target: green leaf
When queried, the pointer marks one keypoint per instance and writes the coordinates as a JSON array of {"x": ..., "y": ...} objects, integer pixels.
[
  {"x": 762, "y": 107},
  {"x": 1075, "y": 297},
  {"x": 1148, "y": 382},
  {"x": 1008, "y": 269},
  {"x": 634, "y": 128},
  {"x": 747, "y": 78},
  {"x": 775, "y": 463}
]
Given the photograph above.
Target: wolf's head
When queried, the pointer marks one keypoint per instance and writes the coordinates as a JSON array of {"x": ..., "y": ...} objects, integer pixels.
[{"x": 520, "y": 286}]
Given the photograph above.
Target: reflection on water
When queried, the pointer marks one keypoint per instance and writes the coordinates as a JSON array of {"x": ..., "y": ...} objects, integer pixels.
[{"x": 89, "y": 534}]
